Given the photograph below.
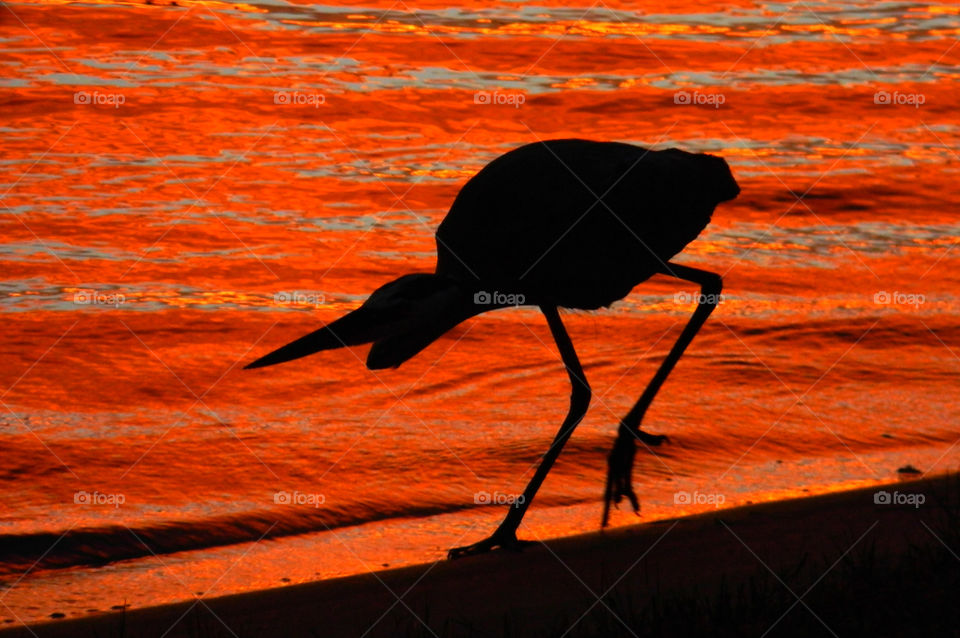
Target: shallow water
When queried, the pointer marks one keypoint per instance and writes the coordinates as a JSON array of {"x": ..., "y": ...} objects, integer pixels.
[{"x": 187, "y": 186}]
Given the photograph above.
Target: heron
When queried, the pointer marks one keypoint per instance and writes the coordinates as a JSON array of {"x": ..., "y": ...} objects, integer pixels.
[{"x": 566, "y": 223}]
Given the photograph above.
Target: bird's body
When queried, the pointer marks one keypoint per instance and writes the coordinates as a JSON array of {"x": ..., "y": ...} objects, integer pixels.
[
  {"x": 561, "y": 223},
  {"x": 578, "y": 224}
]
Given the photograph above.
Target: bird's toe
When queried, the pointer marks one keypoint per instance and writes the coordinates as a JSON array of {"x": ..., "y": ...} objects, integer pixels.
[
  {"x": 652, "y": 439},
  {"x": 620, "y": 473},
  {"x": 505, "y": 541}
]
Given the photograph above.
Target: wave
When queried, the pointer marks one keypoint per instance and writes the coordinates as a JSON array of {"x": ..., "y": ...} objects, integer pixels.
[
  {"x": 105, "y": 544},
  {"x": 102, "y": 545}
]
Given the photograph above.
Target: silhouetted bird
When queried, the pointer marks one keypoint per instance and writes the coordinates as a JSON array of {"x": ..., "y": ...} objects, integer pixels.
[{"x": 561, "y": 223}]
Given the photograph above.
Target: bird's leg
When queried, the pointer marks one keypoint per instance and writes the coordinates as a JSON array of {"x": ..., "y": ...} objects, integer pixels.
[
  {"x": 505, "y": 536},
  {"x": 620, "y": 461}
]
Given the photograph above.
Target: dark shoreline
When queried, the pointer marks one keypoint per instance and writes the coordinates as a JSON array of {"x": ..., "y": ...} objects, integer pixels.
[{"x": 547, "y": 587}]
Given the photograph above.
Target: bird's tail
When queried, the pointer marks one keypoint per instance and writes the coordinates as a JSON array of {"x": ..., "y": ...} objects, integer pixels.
[{"x": 400, "y": 319}]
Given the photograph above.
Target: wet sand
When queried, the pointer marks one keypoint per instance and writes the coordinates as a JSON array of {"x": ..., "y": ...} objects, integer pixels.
[{"x": 549, "y": 586}]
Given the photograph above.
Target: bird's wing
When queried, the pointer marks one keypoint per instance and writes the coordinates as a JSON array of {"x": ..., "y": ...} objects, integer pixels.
[
  {"x": 359, "y": 326},
  {"x": 400, "y": 318}
]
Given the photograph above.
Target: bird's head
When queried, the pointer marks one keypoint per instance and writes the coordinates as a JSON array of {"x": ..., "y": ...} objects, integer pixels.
[
  {"x": 715, "y": 174},
  {"x": 705, "y": 178}
]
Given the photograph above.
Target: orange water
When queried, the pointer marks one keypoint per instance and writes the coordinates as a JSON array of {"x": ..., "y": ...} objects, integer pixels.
[{"x": 187, "y": 186}]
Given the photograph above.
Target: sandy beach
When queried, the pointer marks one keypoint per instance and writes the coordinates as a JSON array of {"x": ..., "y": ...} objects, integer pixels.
[{"x": 607, "y": 579}]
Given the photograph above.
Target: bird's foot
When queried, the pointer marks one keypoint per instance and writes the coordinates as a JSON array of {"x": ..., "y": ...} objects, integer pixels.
[
  {"x": 501, "y": 540},
  {"x": 651, "y": 439},
  {"x": 620, "y": 472}
]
